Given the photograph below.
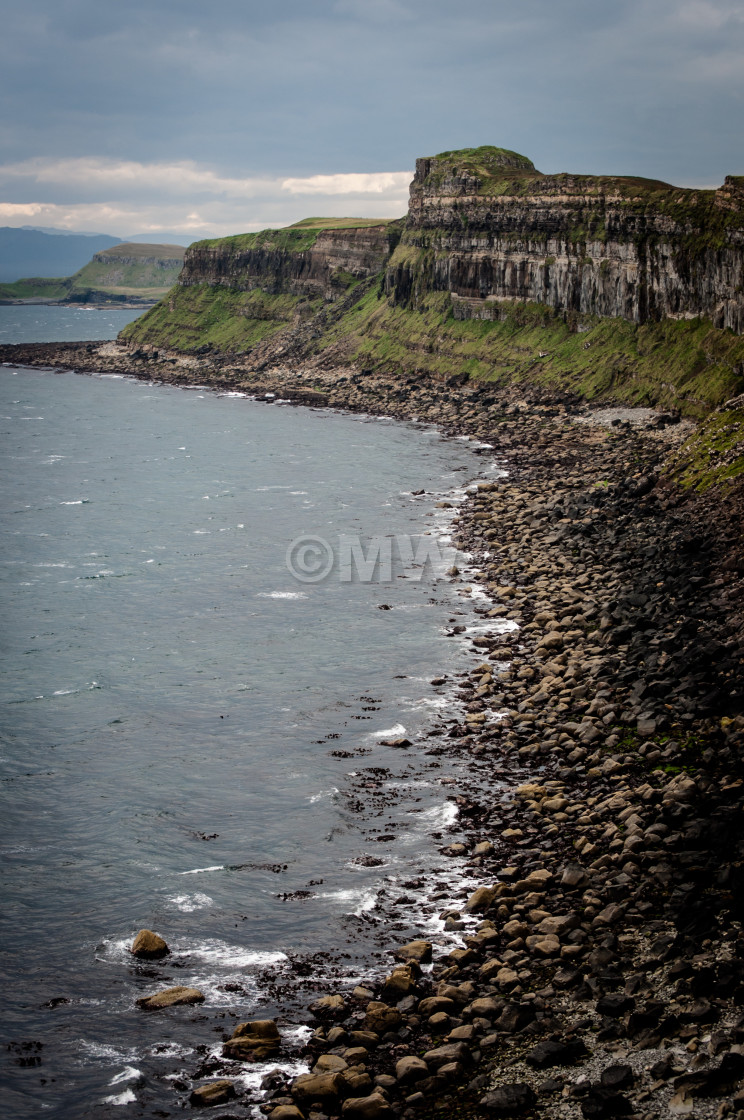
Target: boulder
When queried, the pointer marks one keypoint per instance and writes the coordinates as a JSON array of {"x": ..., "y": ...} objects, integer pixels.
[
  {"x": 414, "y": 951},
  {"x": 326, "y": 1088},
  {"x": 411, "y": 1069},
  {"x": 380, "y": 1018},
  {"x": 149, "y": 946},
  {"x": 550, "y": 1053},
  {"x": 509, "y": 1100},
  {"x": 401, "y": 981},
  {"x": 170, "y": 997},
  {"x": 373, "y": 1107},
  {"x": 444, "y": 1055},
  {"x": 328, "y": 1005},
  {"x": 253, "y": 1041},
  {"x": 286, "y": 1112},
  {"x": 480, "y": 900},
  {"x": 330, "y": 1063},
  {"x": 214, "y": 1092}
]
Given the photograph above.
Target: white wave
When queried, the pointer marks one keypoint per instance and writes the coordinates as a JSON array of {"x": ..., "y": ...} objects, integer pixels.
[
  {"x": 127, "y": 1097},
  {"x": 364, "y": 898},
  {"x": 440, "y": 816},
  {"x": 131, "y": 1073},
  {"x": 435, "y": 702},
  {"x": 169, "y": 1050},
  {"x": 315, "y": 797},
  {"x": 187, "y": 903},
  {"x": 217, "y": 952},
  {"x": 78, "y": 502},
  {"x": 281, "y": 595},
  {"x": 109, "y": 1053},
  {"x": 73, "y": 691},
  {"x": 393, "y": 732},
  {"x": 202, "y": 870}
]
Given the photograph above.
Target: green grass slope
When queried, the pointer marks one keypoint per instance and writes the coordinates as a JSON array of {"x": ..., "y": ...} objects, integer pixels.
[
  {"x": 687, "y": 364},
  {"x": 222, "y": 318}
]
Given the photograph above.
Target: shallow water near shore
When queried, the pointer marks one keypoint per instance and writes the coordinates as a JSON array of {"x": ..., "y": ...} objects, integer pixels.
[
  {"x": 35, "y": 322},
  {"x": 193, "y": 739}
]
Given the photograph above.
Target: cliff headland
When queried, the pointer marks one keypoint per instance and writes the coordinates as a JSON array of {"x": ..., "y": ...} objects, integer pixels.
[
  {"x": 614, "y": 287},
  {"x": 131, "y": 272}
]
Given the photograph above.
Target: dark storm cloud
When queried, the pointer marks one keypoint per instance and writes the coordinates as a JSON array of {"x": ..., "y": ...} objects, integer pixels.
[{"x": 251, "y": 90}]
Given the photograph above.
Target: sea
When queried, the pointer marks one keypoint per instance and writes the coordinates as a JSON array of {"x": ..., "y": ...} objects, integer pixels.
[{"x": 218, "y": 717}]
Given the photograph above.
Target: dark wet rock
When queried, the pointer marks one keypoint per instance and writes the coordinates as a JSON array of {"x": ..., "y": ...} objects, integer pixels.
[
  {"x": 614, "y": 1005},
  {"x": 149, "y": 946},
  {"x": 514, "y": 1017},
  {"x": 601, "y": 1103},
  {"x": 170, "y": 997},
  {"x": 215, "y": 1092},
  {"x": 550, "y": 1053},
  {"x": 714, "y": 1082},
  {"x": 509, "y": 1100},
  {"x": 618, "y": 1076}
]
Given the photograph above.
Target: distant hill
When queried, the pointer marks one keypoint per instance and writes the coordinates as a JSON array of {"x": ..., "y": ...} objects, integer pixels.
[
  {"x": 124, "y": 272},
  {"x": 29, "y": 252}
]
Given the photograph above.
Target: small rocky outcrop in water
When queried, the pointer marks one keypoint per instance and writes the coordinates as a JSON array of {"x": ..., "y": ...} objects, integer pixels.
[
  {"x": 170, "y": 997},
  {"x": 149, "y": 946}
]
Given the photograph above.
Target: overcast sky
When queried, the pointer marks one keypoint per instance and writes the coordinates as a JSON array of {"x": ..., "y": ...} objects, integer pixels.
[{"x": 233, "y": 115}]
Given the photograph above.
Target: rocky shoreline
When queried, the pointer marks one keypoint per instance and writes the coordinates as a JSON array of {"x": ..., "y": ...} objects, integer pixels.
[{"x": 601, "y": 971}]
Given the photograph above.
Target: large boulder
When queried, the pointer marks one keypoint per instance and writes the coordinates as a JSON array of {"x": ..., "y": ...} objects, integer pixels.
[
  {"x": 215, "y": 1092},
  {"x": 415, "y": 951},
  {"x": 149, "y": 946},
  {"x": 380, "y": 1018},
  {"x": 410, "y": 1068},
  {"x": 373, "y": 1107},
  {"x": 328, "y": 1005},
  {"x": 324, "y": 1088},
  {"x": 170, "y": 997},
  {"x": 254, "y": 1041},
  {"x": 509, "y": 1100}
]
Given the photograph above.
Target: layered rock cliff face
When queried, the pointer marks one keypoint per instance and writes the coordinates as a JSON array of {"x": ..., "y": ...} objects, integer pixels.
[
  {"x": 485, "y": 225},
  {"x": 304, "y": 261}
]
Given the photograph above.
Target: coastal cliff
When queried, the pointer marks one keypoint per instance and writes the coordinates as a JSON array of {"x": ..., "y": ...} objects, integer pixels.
[
  {"x": 485, "y": 225},
  {"x": 613, "y": 287}
]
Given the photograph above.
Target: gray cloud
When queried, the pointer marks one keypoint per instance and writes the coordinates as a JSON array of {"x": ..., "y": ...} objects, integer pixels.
[{"x": 249, "y": 91}]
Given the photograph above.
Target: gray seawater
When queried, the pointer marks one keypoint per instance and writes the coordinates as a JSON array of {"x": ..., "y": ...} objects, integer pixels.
[
  {"x": 190, "y": 736},
  {"x": 34, "y": 322}
]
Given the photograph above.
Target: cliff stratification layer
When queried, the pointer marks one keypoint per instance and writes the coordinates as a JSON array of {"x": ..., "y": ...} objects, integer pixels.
[{"x": 485, "y": 225}]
